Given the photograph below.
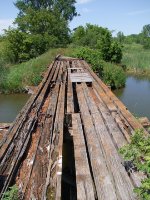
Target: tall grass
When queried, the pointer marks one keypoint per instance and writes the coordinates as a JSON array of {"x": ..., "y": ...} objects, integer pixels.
[
  {"x": 17, "y": 77},
  {"x": 3, "y": 63},
  {"x": 136, "y": 58}
]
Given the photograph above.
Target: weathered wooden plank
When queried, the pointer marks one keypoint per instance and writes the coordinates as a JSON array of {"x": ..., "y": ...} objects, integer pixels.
[
  {"x": 58, "y": 66},
  {"x": 129, "y": 117},
  {"x": 24, "y": 138},
  {"x": 85, "y": 190},
  {"x": 55, "y": 158},
  {"x": 70, "y": 101},
  {"x": 103, "y": 180},
  {"x": 50, "y": 122},
  {"x": 60, "y": 142},
  {"x": 122, "y": 182},
  {"x": 119, "y": 136},
  {"x": 22, "y": 117},
  {"x": 104, "y": 130}
]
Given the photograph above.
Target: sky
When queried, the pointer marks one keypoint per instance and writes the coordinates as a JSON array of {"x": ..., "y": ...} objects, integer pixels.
[{"x": 128, "y": 16}]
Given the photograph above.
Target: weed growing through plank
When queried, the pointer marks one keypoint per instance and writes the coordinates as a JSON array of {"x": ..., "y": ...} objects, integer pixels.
[
  {"x": 138, "y": 152},
  {"x": 11, "y": 194}
]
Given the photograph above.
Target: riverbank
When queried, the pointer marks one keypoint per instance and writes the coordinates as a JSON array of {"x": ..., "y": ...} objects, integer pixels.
[
  {"x": 14, "y": 79},
  {"x": 145, "y": 74}
]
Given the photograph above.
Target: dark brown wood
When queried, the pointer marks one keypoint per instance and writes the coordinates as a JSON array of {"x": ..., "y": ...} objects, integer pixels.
[{"x": 31, "y": 152}]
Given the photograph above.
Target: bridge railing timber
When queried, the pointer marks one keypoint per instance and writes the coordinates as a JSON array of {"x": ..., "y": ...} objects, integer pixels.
[{"x": 64, "y": 143}]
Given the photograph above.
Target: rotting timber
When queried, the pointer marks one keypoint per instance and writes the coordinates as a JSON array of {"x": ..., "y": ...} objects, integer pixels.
[{"x": 64, "y": 143}]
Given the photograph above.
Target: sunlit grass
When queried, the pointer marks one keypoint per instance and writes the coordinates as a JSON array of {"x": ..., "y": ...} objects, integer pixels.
[
  {"x": 136, "y": 58},
  {"x": 17, "y": 77}
]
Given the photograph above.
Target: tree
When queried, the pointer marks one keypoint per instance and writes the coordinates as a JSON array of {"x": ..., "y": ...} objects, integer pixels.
[
  {"x": 78, "y": 35},
  {"x": 100, "y": 38},
  {"x": 115, "y": 52},
  {"x": 41, "y": 24},
  {"x": 15, "y": 40},
  {"x": 89, "y": 35},
  {"x": 120, "y": 37},
  {"x": 146, "y": 30},
  {"x": 44, "y": 22},
  {"x": 65, "y": 8},
  {"x": 104, "y": 44},
  {"x": 146, "y": 36}
]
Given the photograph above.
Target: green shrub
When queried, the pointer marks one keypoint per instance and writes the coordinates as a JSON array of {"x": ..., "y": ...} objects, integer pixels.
[
  {"x": 11, "y": 194},
  {"x": 24, "y": 46},
  {"x": 111, "y": 74},
  {"x": 99, "y": 38},
  {"x": 93, "y": 57},
  {"x": 115, "y": 52},
  {"x": 138, "y": 152}
]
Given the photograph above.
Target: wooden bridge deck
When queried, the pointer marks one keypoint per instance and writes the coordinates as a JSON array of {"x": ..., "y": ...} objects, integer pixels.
[{"x": 64, "y": 143}]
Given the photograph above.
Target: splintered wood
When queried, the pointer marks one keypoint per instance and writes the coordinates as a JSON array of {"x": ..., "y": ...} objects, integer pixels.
[{"x": 70, "y": 104}]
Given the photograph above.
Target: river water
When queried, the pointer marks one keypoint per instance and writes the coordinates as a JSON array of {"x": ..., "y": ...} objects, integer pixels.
[
  {"x": 10, "y": 105},
  {"x": 136, "y": 96}
]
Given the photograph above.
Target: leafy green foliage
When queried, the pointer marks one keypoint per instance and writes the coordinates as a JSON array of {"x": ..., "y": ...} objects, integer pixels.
[
  {"x": 43, "y": 21},
  {"x": 144, "y": 190},
  {"x": 89, "y": 35},
  {"x": 104, "y": 44},
  {"x": 120, "y": 37},
  {"x": 98, "y": 38},
  {"x": 37, "y": 32},
  {"x": 91, "y": 56},
  {"x": 41, "y": 24},
  {"x": 16, "y": 77},
  {"x": 15, "y": 40},
  {"x": 66, "y": 8},
  {"x": 142, "y": 38},
  {"x": 11, "y": 194},
  {"x": 112, "y": 74},
  {"x": 138, "y": 151},
  {"x": 146, "y": 30},
  {"x": 115, "y": 52}
]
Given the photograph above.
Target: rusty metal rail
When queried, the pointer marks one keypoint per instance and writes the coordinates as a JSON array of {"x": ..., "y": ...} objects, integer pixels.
[{"x": 64, "y": 143}]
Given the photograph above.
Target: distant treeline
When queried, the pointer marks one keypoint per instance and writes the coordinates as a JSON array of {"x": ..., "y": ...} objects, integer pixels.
[{"x": 142, "y": 38}]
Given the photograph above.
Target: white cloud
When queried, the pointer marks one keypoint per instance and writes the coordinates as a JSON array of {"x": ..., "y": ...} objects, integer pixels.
[
  {"x": 5, "y": 23},
  {"x": 138, "y": 12},
  {"x": 83, "y": 1}
]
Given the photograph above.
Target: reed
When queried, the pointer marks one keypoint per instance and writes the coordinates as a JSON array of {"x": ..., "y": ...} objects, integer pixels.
[
  {"x": 136, "y": 58},
  {"x": 15, "y": 78}
]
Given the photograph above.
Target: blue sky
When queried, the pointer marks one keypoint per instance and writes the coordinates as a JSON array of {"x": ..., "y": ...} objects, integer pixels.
[{"x": 128, "y": 16}]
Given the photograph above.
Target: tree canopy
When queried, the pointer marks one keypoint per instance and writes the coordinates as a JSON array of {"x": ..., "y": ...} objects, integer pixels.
[
  {"x": 66, "y": 8},
  {"x": 41, "y": 24},
  {"x": 146, "y": 30},
  {"x": 100, "y": 38}
]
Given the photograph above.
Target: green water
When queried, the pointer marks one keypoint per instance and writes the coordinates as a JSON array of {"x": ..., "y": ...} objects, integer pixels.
[
  {"x": 10, "y": 105},
  {"x": 136, "y": 96}
]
